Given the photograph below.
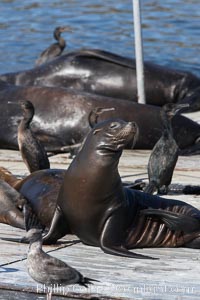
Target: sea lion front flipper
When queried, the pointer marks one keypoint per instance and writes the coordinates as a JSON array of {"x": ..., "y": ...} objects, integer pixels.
[
  {"x": 57, "y": 228},
  {"x": 14, "y": 218},
  {"x": 174, "y": 221},
  {"x": 112, "y": 237}
]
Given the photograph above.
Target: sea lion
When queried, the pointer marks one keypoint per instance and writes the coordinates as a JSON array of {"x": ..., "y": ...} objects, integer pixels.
[
  {"x": 108, "y": 74},
  {"x": 102, "y": 213},
  {"x": 41, "y": 190},
  {"x": 11, "y": 205},
  {"x": 7, "y": 176},
  {"x": 61, "y": 118},
  {"x": 38, "y": 192}
]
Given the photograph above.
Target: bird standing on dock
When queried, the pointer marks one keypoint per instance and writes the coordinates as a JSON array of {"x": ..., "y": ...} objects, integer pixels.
[
  {"x": 55, "y": 49},
  {"x": 164, "y": 155},
  {"x": 47, "y": 269},
  {"x": 32, "y": 151}
]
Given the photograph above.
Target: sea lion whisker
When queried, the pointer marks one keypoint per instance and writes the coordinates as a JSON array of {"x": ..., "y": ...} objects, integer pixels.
[{"x": 95, "y": 131}]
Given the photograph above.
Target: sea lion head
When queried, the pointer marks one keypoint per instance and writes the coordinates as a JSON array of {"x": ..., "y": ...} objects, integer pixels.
[{"x": 111, "y": 136}]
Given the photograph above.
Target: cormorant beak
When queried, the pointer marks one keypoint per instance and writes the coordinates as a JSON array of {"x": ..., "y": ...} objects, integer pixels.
[
  {"x": 181, "y": 106},
  {"x": 67, "y": 29}
]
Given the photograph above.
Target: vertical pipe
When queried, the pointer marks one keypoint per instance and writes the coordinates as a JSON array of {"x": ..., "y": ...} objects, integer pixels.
[{"x": 139, "y": 52}]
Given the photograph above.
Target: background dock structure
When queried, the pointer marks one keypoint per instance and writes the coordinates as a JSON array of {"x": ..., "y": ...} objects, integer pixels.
[{"x": 174, "y": 276}]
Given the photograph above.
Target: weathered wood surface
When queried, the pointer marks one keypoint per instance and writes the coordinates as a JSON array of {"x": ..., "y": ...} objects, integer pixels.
[{"x": 174, "y": 276}]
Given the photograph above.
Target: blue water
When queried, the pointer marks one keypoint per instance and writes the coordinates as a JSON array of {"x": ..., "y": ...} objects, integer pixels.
[{"x": 170, "y": 30}]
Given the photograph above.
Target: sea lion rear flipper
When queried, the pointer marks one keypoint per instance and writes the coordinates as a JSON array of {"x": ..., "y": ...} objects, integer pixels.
[
  {"x": 15, "y": 218},
  {"x": 191, "y": 150},
  {"x": 58, "y": 228},
  {"x": 112, "y": 237},
  {"x": 174, "y": 221}
]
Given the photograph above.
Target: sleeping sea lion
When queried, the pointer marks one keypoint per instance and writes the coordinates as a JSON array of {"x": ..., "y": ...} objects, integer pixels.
[
  {"x": 11, "y": 206},
  {"x": 61, "y": 118},
  {"x": 107, "y": 74}
]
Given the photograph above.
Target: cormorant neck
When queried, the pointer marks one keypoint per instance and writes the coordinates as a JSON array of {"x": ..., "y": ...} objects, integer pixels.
[
  {"x": 35, "y": 245},
  {"x": 27, "y": 118},
  {"x": 61, "y": 42},
  {"x": 57, "y": 34},
  {"x": 57, "y": 37},
  {"x": 167, "y": 126}
]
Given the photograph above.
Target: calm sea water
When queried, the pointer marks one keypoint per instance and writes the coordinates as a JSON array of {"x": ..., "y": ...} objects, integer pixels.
[{"x": 171, "y": 29}]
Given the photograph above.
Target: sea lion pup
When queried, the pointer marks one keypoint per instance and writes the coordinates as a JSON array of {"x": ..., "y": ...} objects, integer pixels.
[
  {"x": 11, "y": 206},
  {"x": 103, "y": 213},
  {"x": 165, "y": 153},
  {"x": 55, "y": 49},
  {"x": 32, "y": 151}
]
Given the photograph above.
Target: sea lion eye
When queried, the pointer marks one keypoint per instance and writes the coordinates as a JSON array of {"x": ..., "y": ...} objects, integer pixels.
[{"x": 113, "y": 125}]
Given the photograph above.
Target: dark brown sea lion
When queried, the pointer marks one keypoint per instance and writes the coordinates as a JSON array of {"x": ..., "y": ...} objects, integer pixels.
[
  {"x": 61, "y": 118},
  {"x": 108, "y": 74},
  {"x": 101, "y": 212},
  {"x": 41, "y": 189},
  {"x": 8, "y": 177},
  {"x": 11, "y": 205}
]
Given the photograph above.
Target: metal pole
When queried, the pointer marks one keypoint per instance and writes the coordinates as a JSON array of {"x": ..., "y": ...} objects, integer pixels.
[{"x": 139, "y": 52}]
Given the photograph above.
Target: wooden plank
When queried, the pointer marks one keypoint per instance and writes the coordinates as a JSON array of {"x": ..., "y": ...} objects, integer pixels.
[{"x": 174, "y": 276}]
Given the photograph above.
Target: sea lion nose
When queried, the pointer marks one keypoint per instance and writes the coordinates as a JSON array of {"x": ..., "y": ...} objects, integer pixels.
[{"x": 133, "y": 125}]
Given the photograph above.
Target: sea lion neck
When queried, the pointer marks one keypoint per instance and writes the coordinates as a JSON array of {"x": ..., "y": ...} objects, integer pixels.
[
  {"x": 92, "y": 166},
  {"x": 28, "y": 113},
  {"x": 96, "y": 165}
]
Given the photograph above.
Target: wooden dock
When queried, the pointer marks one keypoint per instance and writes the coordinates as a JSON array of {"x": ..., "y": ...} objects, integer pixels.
[{"x": 175, "y": 276}]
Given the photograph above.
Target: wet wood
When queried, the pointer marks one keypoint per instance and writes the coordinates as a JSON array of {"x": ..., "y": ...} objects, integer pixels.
[{"x": 174, "y": 276}]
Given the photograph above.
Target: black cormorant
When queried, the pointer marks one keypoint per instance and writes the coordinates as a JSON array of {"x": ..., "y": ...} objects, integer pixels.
[
  {"x": 165, "y": 153},
  {"x": 32, "y": 151},
  {"x": 95, "y": 113},
  {"x": 55, "y": 49}
]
